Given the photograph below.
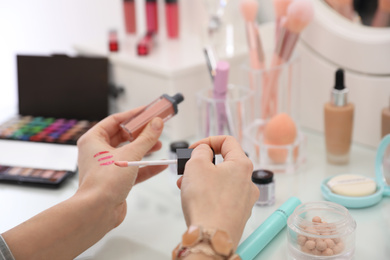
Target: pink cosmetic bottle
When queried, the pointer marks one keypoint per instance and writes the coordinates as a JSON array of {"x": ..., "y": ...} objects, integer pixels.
[
  {"x": 129, "y": 16},
  {"x": 164, "y": 107},
  {"x": 172, "y": 18},
  {"x": 151, "y": 16},
  {"x": 113, "y": 43}
]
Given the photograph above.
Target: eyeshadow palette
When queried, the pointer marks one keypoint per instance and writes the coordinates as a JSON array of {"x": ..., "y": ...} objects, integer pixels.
[
  {"x": 41, "y": 129},
  {"x": 46, "y": 130},
  {"x": 35, "y": 177}
]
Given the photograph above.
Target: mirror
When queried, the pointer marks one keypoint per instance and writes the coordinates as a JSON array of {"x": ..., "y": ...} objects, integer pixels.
[
  {"x": 374, "y": 13},
  {"x": 386, "y": 166},
  {"x": 382, "y": 165}
]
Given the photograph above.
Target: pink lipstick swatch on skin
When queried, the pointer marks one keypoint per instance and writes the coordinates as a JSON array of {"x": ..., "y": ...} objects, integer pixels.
[
  {"x": 99, "y": 153},
  {"x": 107, "y": 163},
  {"x": 106, "y": 157}
]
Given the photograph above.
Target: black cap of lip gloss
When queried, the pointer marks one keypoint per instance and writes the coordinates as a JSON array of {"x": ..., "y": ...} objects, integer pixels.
[
  {"x": 183, "y": 155},
  {"x": 178, "y": 145},
  {"x": 175, "y": 100}
]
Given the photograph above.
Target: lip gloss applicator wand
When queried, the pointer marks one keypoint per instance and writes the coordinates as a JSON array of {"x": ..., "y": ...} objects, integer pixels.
[{"x": 183, "y": 155}]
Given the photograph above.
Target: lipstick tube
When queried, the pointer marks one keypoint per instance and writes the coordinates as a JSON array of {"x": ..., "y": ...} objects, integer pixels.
[
  {"x": 145, "y": 45},
  {"x": 172, "y": 18},
  {"x": 151, "y": 16},
  {"x": 129, "y": 16},
  {"x": 164, "y": 107}
]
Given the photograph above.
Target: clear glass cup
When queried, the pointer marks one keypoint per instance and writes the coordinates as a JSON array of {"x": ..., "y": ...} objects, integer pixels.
[
  {"x": 277, "y": 91},
  {"x": 277, "y": 88},
  {"x": 227, "y": 116}
]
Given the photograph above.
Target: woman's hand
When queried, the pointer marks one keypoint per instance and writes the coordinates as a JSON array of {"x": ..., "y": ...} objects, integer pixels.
[
  {"x": 218, "y": 196},
  {"x": 99, "y": 147},
  {"x": 70, "y": 227}
]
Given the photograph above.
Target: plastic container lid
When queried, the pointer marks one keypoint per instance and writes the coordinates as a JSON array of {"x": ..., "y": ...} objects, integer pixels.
[{"x": 382, "y": 179}]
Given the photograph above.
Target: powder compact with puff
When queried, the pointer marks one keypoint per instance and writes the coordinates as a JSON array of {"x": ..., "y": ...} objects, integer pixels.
[{"x": 357, "y": 191}]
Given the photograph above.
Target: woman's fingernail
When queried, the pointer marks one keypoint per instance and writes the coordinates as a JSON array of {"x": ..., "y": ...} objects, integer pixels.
[{"x": 157, "y": 124}]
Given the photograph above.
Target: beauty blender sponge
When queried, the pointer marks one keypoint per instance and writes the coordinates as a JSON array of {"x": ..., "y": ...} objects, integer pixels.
[{"x": 280, "y": 131}]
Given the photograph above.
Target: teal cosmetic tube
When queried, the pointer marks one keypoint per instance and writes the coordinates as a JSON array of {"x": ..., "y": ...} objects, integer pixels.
[{"x": 253, "y": 245}]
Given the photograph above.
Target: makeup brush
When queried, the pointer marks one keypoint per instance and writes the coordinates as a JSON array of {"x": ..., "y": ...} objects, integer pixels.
[
  {"x": 280, "y": 7},
  {"x": 299, "y": 14},
  {"x": 382, "y": 14},
  {"x": 256, "y": 54},
  {"x": 249, "y": 10}
]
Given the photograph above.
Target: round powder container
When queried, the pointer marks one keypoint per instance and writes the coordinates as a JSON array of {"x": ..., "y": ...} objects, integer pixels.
[
  {"x": 172, "y": 153},
  {"x": 321, "y": 230},
  {"x": 264, "y": 181}
]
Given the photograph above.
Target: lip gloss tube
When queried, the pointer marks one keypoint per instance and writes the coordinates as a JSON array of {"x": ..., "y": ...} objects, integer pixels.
[
  {"x": 129, "y": 15},
  {"x": 172, "y": 18},
  {"x": 151, "y": 16},
  {"x": 164, "y": 107},
  {"x": 113, "y": 44},
  {"x": 145, "y": 45}
]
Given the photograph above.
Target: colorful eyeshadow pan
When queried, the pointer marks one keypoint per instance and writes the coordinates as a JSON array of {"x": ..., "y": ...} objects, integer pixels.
[
  {"x": 40, "y": 129},
  {"x": 48, "y": 130},
  {"x": 33, "y": 177}
]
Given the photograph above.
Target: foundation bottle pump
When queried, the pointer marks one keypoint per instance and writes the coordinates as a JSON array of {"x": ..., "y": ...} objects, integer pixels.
[{"x": 338, "y": 119}]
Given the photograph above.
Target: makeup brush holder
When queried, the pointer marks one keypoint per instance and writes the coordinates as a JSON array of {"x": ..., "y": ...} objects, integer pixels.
[
  {"x": 286, "y": 159},
  {"x": 229, "y": 116},
  {"x": 277, "y": 90}
]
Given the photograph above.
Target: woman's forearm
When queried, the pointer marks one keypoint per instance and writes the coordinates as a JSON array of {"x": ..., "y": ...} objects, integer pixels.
[{"x": 62, "y": 231}]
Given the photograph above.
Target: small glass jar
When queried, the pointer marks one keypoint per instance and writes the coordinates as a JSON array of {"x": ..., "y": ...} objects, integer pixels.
[
  {"x": 321, "y": 230},
  {"x": 264, "y": 181}
]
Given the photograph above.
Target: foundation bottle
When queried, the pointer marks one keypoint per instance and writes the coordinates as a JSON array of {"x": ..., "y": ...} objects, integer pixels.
[
  {"x": 385, "y": 121},
  {"x": 338, "y": 123}
]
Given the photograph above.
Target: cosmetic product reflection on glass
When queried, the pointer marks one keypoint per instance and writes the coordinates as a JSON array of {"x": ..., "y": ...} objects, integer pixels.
[
  {"x": 164, "y": 107},
  {"x": 267, "y": 231},
  {"x": 338, "y": 119},
  {"x": 183, "y": 155}
]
